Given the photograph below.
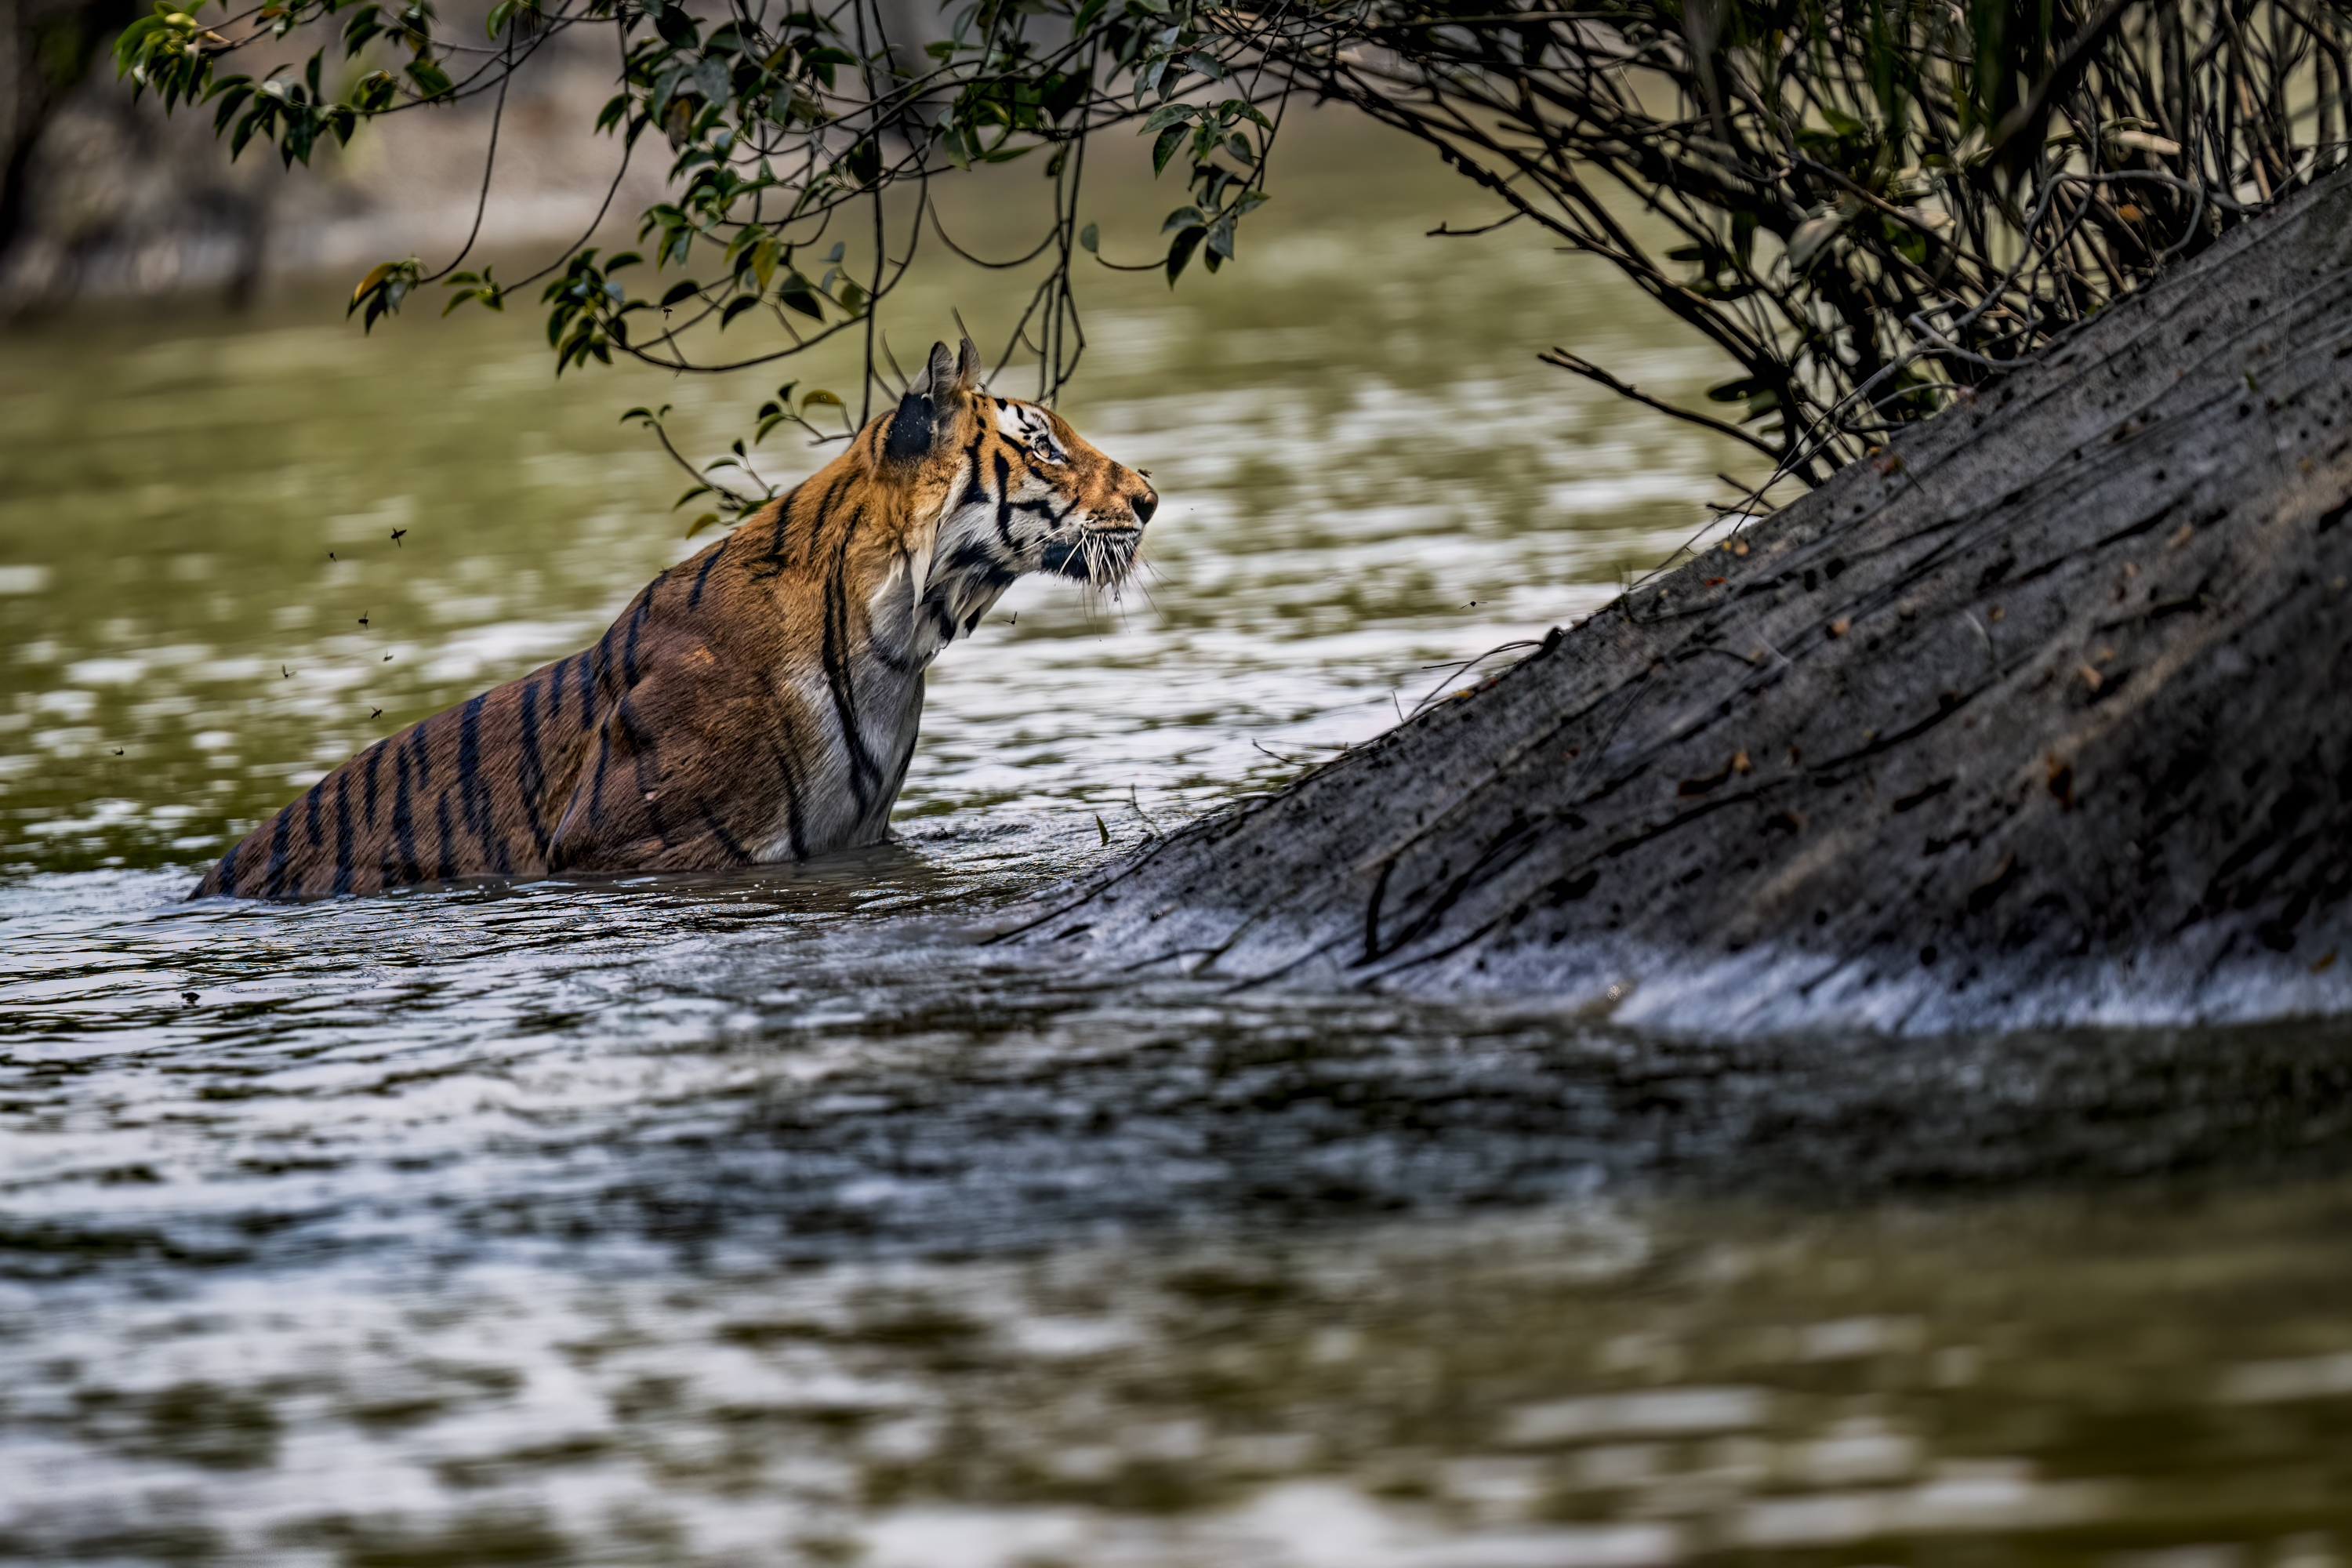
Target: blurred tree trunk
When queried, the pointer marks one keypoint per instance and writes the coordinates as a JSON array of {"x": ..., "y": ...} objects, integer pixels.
[
  {"x": 2046, "y": 713},
  {"x": 47, "y": 48}
]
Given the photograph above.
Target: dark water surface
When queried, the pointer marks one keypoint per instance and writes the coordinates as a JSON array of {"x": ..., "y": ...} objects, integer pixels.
[{"x": 773, "y": 1219}]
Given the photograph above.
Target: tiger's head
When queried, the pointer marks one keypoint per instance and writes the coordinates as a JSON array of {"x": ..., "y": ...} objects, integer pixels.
[{"x": 1014, "y": 489}]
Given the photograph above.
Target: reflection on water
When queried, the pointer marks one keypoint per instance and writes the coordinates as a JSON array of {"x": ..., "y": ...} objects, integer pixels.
[
  {"x": 739, "y": 1221},
  {"x": 730, "y": 1222},
  {"x": 768, "y": 1219}
]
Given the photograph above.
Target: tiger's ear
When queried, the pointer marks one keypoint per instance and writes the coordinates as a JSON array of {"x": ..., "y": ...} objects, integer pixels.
[
  {"x": 925, "y": 419},
  {"x": 967, "y": 367},
  {"x": 940, "y": 375}
]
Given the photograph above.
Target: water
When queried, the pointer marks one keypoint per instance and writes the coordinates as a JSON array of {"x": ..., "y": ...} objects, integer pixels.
[{"x": 772, "y": 1219}]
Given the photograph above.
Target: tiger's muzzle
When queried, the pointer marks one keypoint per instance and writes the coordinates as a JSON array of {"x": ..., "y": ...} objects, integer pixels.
[{"x": 1100, "y": 557}]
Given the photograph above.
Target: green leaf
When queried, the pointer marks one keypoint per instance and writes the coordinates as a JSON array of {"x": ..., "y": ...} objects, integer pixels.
[
  {"x": 699, "y": 523},
  {"x": 812, "y": 399},
  {"x": 736, "y": 307},
  {"x": 231, "y": 102},
  {"x": 430, "y": 78},
  {"x": 679, "y": 290},
  {"x": 265, "y": 112},
  {"x": 363, "y": 25},
  {"x": 801, "y": 294},
  {"x": 1180, "y": 250},
  {"x": 1168, "y": 114},
  {"x": 1165, "y": 148},
  {"x": 132, "y": 43},
  {"x": 1182, "y": 217},
  {"x": 1090, "y": 239},
  {"x": 375, "y": 93}
]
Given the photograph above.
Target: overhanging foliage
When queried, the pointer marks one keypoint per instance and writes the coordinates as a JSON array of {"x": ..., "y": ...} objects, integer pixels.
[{"x": 1871, "y": 206}]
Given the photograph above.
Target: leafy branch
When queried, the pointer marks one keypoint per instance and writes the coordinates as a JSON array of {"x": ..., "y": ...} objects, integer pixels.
[{"x": 1871, "y": 207}]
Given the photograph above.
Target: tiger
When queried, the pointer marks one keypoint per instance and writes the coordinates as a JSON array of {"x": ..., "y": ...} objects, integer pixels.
[{"x": 755, "y": 704}]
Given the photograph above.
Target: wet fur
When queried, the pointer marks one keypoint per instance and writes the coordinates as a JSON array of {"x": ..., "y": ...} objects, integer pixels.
[{"x": 757, "y": 702}]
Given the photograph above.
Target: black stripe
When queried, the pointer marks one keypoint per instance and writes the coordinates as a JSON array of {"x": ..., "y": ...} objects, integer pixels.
[
  {"x": 726, "y": 839},
  {"x": 530, "y": 778},
  {"x": 839, "y": 677},
  {"x": 314, "y": 827},
  {"x": 587, "y": 688},
  {"x": 694, "y": 599},
  {"x": 1004, "y": 502},
  {"x": 375, "y": 755},
  {"x": 469, "y": 742},
  {"x": 773, "y": 561},
  {"x": 601, "y": 657},
  {"x": 629, "y": 643},
  {"x": 226, "y": 870},
  {"x": 938, "y": 609},
  {"x": 448, "y": 872},
  {"x": 555, "y": 689},
  {"x": 421, "y": 757},
  {"x": 403, "y": 824},
  {"x": 342, "y": 833},
  {"x": 795, "y": 828},
  {"x": 975, "y": 492},
  {"x": 277, "y": 848}
]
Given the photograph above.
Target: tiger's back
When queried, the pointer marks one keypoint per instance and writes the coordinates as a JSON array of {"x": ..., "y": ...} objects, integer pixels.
[{"x": 480, "y": 789}]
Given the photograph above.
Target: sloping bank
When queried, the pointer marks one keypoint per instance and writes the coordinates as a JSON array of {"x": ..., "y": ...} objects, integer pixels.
[{"x": 2049, "y": 722}]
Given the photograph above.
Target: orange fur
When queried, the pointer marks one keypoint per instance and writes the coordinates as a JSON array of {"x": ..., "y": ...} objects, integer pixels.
[{"x": 756, "y": 703}]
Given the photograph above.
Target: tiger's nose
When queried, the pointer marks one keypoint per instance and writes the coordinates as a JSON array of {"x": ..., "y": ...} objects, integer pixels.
[{"x": 1144, "y": 505}]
